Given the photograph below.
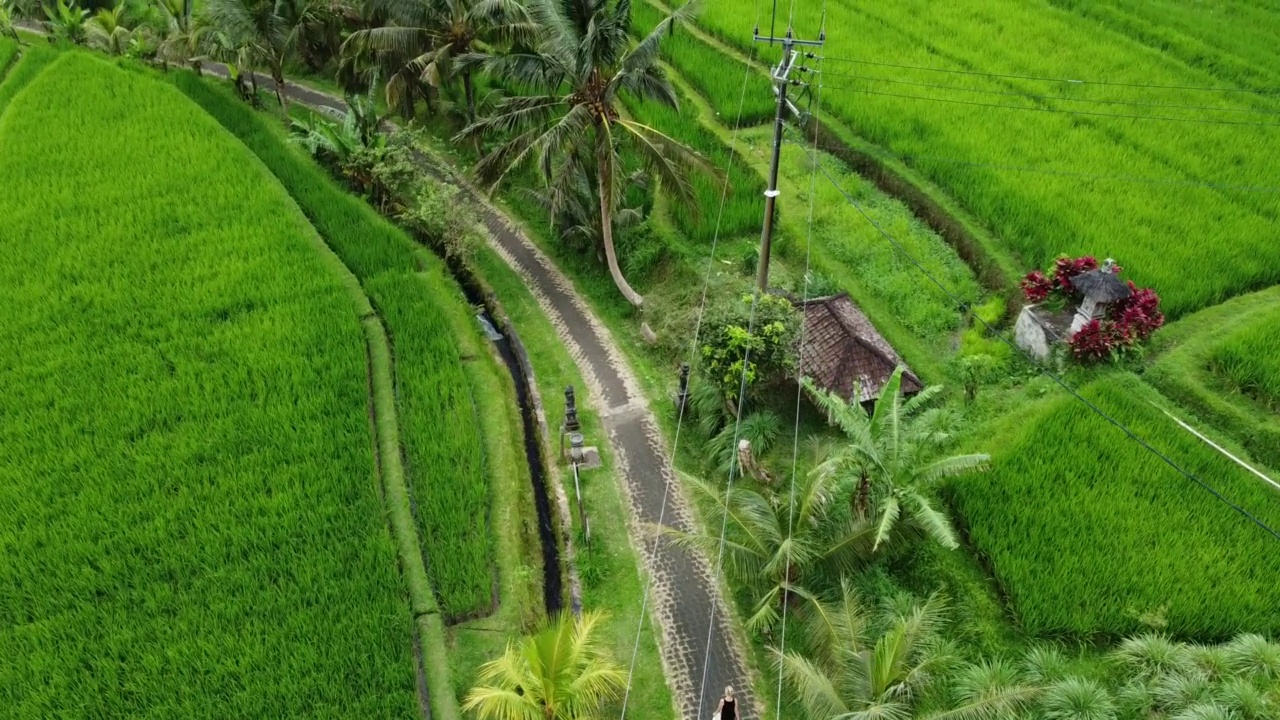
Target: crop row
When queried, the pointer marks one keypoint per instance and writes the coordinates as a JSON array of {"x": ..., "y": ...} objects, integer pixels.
[
  {"x": 8, "y": 51},
  {"x": 1249, "y": 358},
  {"x": 945, "y": 125},
  {"x": 439, "y": 429},
  {"x": 1088, "y": 532},
  {"x": 190, "y": 522},
  {"x": 33, "y": 60}
]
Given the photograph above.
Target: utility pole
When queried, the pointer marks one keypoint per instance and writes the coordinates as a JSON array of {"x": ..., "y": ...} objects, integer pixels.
[{"x": 781, "y": 80}]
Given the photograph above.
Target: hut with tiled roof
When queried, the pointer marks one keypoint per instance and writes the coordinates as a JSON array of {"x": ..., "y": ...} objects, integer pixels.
[{"x": 843, "y": 353}]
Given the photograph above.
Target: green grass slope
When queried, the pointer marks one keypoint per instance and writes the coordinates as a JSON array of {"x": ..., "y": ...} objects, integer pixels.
[
  {"x": 189, "y": 525},
  {"x": 1087, "y": 532}
]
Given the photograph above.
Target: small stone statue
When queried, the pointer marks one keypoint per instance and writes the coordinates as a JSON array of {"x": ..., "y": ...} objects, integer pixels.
[{"x": 571, "y": 423}]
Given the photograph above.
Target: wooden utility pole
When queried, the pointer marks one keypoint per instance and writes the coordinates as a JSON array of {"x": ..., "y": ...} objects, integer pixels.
[{"x": 781, "y": 79}]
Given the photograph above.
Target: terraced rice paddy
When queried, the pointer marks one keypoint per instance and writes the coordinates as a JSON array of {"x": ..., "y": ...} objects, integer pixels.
[
  {"x": 406, "y": 284},
  {"x": 1125, "y": 187},
  {"x": 1087, "y": 532},
  {"x": 189, "y": 517}
]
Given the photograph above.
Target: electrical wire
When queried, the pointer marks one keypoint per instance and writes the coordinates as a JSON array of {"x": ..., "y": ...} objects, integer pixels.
[
  {"x": 1045, "y": 371},
  {"x": 693, "y": 348},
  {"x": 1154, "y": 86},
  {"x": 1063, "y": 98},
  {"x": 1199, "y": 121}
]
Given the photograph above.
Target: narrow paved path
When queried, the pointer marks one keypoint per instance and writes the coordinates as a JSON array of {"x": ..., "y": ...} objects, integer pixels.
[{"x": 699, "y": 645}]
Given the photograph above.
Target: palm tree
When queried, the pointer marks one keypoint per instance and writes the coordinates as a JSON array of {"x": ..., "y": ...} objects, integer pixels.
[
  {"x": 431, "y": 37},
  {"x": 855, "y": 676},
  {"x": 107, "y": 30},
  {"x": 561, "y": 673},
  {"x": 778, "y": 546},
  {"x": 889, "y": 462},
  {"x": 257, "y": 32},
  {"x": 576, "y": 73},
  {"x": 180, "y": 41},
  {"x": 6, "y": 23}
]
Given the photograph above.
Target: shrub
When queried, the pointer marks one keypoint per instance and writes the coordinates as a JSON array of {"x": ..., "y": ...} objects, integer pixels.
[{"x": 735, "y": 352}]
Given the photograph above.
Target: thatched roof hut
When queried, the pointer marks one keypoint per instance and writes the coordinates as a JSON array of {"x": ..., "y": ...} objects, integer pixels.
[{"x": 843, "y": 353}]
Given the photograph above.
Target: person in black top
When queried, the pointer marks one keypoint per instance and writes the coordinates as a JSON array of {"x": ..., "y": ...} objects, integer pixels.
[{"x": 728, "y": 709}]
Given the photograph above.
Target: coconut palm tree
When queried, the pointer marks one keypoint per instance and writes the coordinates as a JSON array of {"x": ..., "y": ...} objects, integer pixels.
[
  {"x": 107, "y": 30},
  {"x": 781, "y": 546},
  {"x": 857, "y": 676},
  {"x": 431, "y": 37},
  {"x": 569, "y": 117},
  {"x": 257, "y": 33},
  {"x": 889, "y": 463},
  {"x": 561, "y": 673},
  {"x": 180, "y": 36},
  {"x": 6, "y": 23}
]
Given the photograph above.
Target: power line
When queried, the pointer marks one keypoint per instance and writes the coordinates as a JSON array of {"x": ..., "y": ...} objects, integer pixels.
[
  {"x": 1073, "y": 81},
  {"x": 1064, "y": 98},
  {"x": 1053, "y": 376},
  {"x": 1090, "y": 113}
]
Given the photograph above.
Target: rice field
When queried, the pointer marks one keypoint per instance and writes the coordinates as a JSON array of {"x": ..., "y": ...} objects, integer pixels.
[
  {"x": 1115, "y": 186},
  {"x": 1087, "y": 533},
  {"x": 29, "y": 64},
  {"x": 8, "y": 52},
  {"x": 446, "y": 472},
  {"x": 1249, "y": 359},
  {"x": 189, "y": 519}
]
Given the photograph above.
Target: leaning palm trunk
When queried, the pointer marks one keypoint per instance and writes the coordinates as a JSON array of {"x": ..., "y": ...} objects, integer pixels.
[{"x": 606, "y": 234}]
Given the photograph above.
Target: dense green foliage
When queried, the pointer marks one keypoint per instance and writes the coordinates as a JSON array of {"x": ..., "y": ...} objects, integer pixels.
[
  {"x": 1161, "y": 228},
  {"x": 1087, "y": 532},
  {"x": 190, "y": 523},
  {"x": 445, "y": 471},
  {"x": 1249, "y": 358}
]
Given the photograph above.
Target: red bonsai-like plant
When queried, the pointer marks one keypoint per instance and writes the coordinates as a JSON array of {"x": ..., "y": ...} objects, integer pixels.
[{"x": 1128, "y": 322}]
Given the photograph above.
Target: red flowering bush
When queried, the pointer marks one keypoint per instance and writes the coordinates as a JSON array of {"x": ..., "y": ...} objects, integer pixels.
[
  {"x": 1065, "y": 268},
  {"x": 1128, "y": 322},
  {"x": 1036, "y": 287}
]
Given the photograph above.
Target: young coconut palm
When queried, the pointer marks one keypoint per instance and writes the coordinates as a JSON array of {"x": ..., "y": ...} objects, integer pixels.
[
  {"x": 858, "y": 677},
  {"x": 431, "y": 36},
  {"x": 576, "y": 73},
  {"x": 561, "y": 673},
  {"x": 890, "y": 461},
  {"x": 107, "y": 30},
  {"x": 778, "y": 546}
]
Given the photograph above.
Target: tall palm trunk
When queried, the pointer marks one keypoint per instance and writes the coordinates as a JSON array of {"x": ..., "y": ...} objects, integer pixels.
[
  {"x": 277, "y": 75},
  {"x": 468, "y": 86},
  {"x": 606, "y": 233}
]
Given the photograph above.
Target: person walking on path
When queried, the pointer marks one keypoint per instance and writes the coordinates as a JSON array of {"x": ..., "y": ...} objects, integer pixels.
[{"x": 728, "y": 708}]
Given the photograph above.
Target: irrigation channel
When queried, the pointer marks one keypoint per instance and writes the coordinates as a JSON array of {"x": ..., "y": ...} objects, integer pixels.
[{"x": 552, "y": 584}]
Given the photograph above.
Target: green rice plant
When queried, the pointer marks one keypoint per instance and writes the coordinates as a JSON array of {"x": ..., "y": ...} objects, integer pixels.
[
  {"x": 726, "y": 84},
  {"x": 439, "y": 429},
  {"x": 190, "y": 523},
  {"x": 946, "y": 128},
  {"x": 32, "y": 62},
  {"x": 1249, "y": 358},
  {"x": 1089, "y": 534}
]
